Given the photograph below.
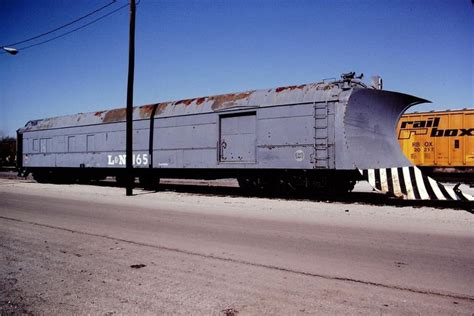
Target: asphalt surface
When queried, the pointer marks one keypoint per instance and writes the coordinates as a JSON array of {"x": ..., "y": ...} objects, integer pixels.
[{"x": 85, "y": 249}]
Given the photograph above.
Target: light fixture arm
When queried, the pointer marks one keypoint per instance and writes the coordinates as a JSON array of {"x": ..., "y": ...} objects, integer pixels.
[{"x": 10, "y": 50}]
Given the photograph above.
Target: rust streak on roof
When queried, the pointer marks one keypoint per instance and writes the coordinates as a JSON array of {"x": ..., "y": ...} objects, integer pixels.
[
  {"x": 161, "y": 107},
  {"x": 205, "y": 104},
  {"x": 149, "y": 110},
  {"x": 281, "y": 89},
  {"x": 115, "y": 115},
  {"x": 226, "y": 100},
  {"x": 146, "y": 111},
  {"x": 200, "y": 101},
  {"x": 185, "y": 101}
]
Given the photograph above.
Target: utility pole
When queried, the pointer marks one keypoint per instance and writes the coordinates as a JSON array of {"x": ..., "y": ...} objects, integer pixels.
[{"x": 130, "y": 178}]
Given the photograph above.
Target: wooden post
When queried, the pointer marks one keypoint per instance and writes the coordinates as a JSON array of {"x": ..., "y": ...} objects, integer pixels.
[{"x": 131, "y": 69}]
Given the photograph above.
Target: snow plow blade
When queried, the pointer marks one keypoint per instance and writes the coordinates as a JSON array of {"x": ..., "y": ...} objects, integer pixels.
[{"x": 370, "y": 122}]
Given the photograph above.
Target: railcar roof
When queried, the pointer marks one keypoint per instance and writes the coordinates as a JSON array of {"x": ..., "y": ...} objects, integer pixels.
[
  {"x": 440, "y": 112},
  {"x": 304, "y": 93}
]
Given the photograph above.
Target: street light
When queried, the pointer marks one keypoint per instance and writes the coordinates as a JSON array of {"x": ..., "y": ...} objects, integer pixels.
[{"x": 10, "y": 50}]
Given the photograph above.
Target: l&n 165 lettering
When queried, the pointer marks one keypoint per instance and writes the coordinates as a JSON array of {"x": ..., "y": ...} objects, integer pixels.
[{"x": 121, "y": 160}]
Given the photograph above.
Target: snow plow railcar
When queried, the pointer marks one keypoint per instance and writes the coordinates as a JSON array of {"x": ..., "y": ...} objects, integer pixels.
[{"x": 316, "y": 137}]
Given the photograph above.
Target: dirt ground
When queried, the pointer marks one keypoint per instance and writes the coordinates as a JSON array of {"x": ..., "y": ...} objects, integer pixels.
[{"x": 83, "y": 249}]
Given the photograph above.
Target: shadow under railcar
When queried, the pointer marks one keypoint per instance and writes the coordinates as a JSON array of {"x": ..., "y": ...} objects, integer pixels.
[
  {"x": 214, "y": 188},
  {"x": 230, "y": 188}
]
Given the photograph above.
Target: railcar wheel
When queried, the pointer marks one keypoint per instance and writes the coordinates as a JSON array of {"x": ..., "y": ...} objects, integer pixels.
[
  {"x": 259, "y": 185},
  {"x": 121, "y": 180},
  {"x": 341, "y": 186},
  {"x": 62, "y": 179},
  {"x": 40, "y": 177},
  {"x": 252, "y": 185},
  {"x": 247, "y": 185},
  {"x": 84, "y": 179},
  {"x": 149, "y": 182},
  {"x": 338, "y": 187},
  {"x": 348, "y": 186}
]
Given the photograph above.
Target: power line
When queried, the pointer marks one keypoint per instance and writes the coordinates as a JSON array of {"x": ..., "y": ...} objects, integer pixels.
[
  {"x": 74, "y": 30},
  {"x": 63, "y": 26}
]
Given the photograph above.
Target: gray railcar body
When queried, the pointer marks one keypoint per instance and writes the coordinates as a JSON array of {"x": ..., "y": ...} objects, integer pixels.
[{"x": 309, "y": 135}]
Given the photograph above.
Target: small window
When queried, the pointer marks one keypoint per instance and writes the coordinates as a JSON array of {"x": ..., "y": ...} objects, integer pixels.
[
  {"x": 71, "y": 144},
  {"x": 456, "y": 143},
  {"x": 35, "y": 145},
  {"x": 90, "y": 143},
  {"x": 43, "y": 145}
]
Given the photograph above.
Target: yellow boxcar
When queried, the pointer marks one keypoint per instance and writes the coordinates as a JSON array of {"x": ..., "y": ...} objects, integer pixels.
[{"x": 441, "y": 139}]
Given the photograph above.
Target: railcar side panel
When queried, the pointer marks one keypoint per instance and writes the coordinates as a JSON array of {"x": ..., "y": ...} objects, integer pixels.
[
  {"x": 438, "y": 139},
  {"x": 84, "y": 146},
  {"x": 294, "y": 136}
]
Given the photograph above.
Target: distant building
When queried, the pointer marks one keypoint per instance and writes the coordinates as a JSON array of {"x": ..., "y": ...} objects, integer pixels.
[{"x": 7, "y": 151}]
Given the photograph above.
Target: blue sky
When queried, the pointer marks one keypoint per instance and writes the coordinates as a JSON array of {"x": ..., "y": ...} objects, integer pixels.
[{"x": 195, "y": 48}]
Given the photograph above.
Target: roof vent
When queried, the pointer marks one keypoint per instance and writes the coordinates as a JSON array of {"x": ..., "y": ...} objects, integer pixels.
[{"x": 376, "y": 82}]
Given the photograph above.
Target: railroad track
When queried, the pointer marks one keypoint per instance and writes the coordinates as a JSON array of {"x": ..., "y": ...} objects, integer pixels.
[{"x": 230, "y": 187}]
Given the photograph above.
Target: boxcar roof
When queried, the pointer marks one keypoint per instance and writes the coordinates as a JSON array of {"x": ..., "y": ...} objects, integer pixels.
[{"x": 305, "y": 93}]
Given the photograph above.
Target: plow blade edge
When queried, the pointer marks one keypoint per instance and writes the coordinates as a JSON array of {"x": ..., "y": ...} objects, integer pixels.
[{"x": 370, "y": 122}]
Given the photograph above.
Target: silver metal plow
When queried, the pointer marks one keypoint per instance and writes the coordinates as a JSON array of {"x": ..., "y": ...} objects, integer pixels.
[{"x": 370, "y": 122}]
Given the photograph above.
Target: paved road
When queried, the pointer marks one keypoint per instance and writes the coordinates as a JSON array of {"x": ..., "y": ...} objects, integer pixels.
[{"x": 70, "y": 251}]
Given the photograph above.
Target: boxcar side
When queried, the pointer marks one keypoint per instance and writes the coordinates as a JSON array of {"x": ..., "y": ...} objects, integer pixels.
[
  {"x": 439, "y": 141},
  {"x": 258, "y": 136}
]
